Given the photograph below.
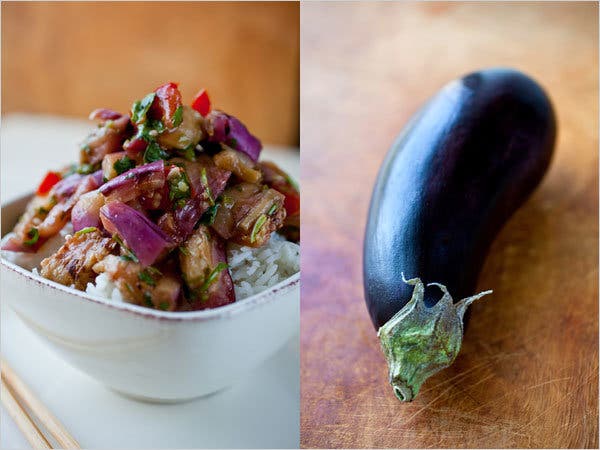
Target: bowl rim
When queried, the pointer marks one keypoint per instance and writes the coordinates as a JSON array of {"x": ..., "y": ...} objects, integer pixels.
[{"x": 221, "y": 312}]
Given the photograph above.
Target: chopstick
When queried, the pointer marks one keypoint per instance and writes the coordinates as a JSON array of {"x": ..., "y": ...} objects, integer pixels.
[
  {"x": 32, "y": 433},
  {"x": 18, "y": 397}
]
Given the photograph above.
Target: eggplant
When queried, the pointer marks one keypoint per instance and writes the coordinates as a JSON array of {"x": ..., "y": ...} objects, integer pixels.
[{"x": 461, "y": 167}]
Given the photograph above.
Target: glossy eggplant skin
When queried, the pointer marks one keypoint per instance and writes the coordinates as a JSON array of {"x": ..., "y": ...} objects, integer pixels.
[{"x": 465, "y": 162}]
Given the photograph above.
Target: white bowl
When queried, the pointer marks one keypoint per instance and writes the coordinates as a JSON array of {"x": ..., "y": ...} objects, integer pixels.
[{"x": 147, "y": 354}]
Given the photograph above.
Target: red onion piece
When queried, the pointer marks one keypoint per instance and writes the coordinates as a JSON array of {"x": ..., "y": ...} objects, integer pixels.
[
  {"x": 135, "y": 182},
  {"x": 229, "y": 130},
  {"x": 98, "y": 178},
  {"x": 104, "y": 114},
  {"x": 67, "y": 186},
  {"x": 138, "y": 232},
  {"x": 14, "y": 244},
  {"x": 135, "y": 146},
  {"x": 86, "y": 212}
]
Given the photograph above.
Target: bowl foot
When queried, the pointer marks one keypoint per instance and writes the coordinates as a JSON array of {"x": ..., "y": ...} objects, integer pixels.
[{"x": 146, "y": 399}]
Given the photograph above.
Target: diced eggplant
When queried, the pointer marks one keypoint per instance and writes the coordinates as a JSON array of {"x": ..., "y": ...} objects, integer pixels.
[
  {"x": 105, "y": 139},
  {"x": 277, "y": 179},
  {"x": 248, "y": 214},
  {"x": 204, "y": 268},
  {"x": 239, "y": 164},
  {"x": 187, "y": 134},
  {"x": 145, "y": 286},
  {"x": 72, "y": 264},
  {"x": 136, "y": 182}
]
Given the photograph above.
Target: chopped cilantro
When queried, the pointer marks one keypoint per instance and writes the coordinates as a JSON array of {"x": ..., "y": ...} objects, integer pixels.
[
  {"x": 212, "y": 276},
  {"x": 179, "y": 187},
  {"x": 232, "y": 142},
  {"x": 153, "y": 271},
  {"x": 128, "y": 252},
  {"x": 184, "y": 251},
  {"x": 272, "y": 209},
  {"x": 204, "y": 181},
  {"x": 257, "y": 226},
  {"x": 33, "y": 235},
  {"x": 85, "y": 169},
  {"x": 148, "y": 299},
  {"x": 163, "y": 305},
  {"x": 42, "y": 211},
  {"x": 141, "y": 107},
  {"x": 85, "y": 230},
  {"x": 188, "y": 153},
  {"x": 208, "y": 218},
  {"x": 146, "y": 278},
  {"x": 178, "y": 116},
  {"x": 154, "y": 153},
  {"x": 123, "y": 165}
]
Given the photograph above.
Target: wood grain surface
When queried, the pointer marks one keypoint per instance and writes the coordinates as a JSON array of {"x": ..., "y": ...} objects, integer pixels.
[
  {"x": 527, "y": 375},
  {"x": 69, "y": 58}
]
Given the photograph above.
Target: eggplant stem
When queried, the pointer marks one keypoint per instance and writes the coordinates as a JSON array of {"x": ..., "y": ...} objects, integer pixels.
[{"x": 419, "y": 341}]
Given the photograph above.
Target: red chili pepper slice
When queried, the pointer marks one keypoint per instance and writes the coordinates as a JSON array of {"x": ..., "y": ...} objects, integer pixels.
[
  {"x": 166, "y": 103},
  {"x": 291, "y": 202},
  {"x": 202, "y": 103},
  {"x": 49, "y": 180}
]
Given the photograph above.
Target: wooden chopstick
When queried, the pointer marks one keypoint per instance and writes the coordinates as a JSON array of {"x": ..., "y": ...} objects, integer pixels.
[
  {"x": 26, "y": 399},
  {"x": 30, "y": 430}
]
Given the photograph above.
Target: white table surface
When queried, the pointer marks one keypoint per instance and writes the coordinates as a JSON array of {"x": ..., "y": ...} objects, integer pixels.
[{"x": 260, "y": 412}]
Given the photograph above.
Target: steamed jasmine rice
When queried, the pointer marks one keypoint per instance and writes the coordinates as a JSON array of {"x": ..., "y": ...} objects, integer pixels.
[{"x": 252, "y": 269}]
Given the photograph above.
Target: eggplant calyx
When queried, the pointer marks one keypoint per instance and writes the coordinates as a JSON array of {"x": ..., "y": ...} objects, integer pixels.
[{"x": 419, "y": 341}]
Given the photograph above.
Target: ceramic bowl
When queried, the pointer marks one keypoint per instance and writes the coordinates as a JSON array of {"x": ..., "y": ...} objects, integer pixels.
[{"x": 147, "y": 354}]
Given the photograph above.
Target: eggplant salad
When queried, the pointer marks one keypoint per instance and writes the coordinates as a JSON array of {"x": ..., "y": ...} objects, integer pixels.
[{"x": 168, "y": 208}]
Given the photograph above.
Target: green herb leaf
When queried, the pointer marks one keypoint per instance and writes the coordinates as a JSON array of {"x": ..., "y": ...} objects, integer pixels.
[
  {"x": 128, "y": 252},
  {"x": 178, "y": 116},
  {"x": 204, "y": 182},
  {"x": 42, "y": 211},
  {"x": 179, "y": 186},
  {"x": 146, "y": 278},
  {"x": 154, "y": 153},
  {"x": 272, "y": 209},
  {"x": 123, "y": 165},
  {"x": 163, "y": 305},
  {"x": 85, "y": 169},
  {"x": 85, "y": 230},
  {"x": 141, "y": 107},
  {"x": 184, "y": 251},
  {"x": 232, "y": 142},
  {"x": 212, "y": 277},
  {"x": 148, "y": 299},
  {"x": 33, "y": 235},
  {"x": 188, "y": 153},
  {"x": 208, "y": 218},
  {"x": 257, "y": 226}
]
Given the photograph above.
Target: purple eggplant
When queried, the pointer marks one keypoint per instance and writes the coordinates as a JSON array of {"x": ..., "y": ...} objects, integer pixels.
[
  {"x": 462, "y": 166},
  {"x": 141, "y": 236}
]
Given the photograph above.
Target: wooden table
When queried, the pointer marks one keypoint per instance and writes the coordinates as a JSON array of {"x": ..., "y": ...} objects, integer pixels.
[{"x": 527, "y": 375}]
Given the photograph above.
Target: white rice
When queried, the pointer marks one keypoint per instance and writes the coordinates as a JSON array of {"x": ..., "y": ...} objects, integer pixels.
[
  {"x": 255, "y": 269},
  {"x": 252, "y": 269}
]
